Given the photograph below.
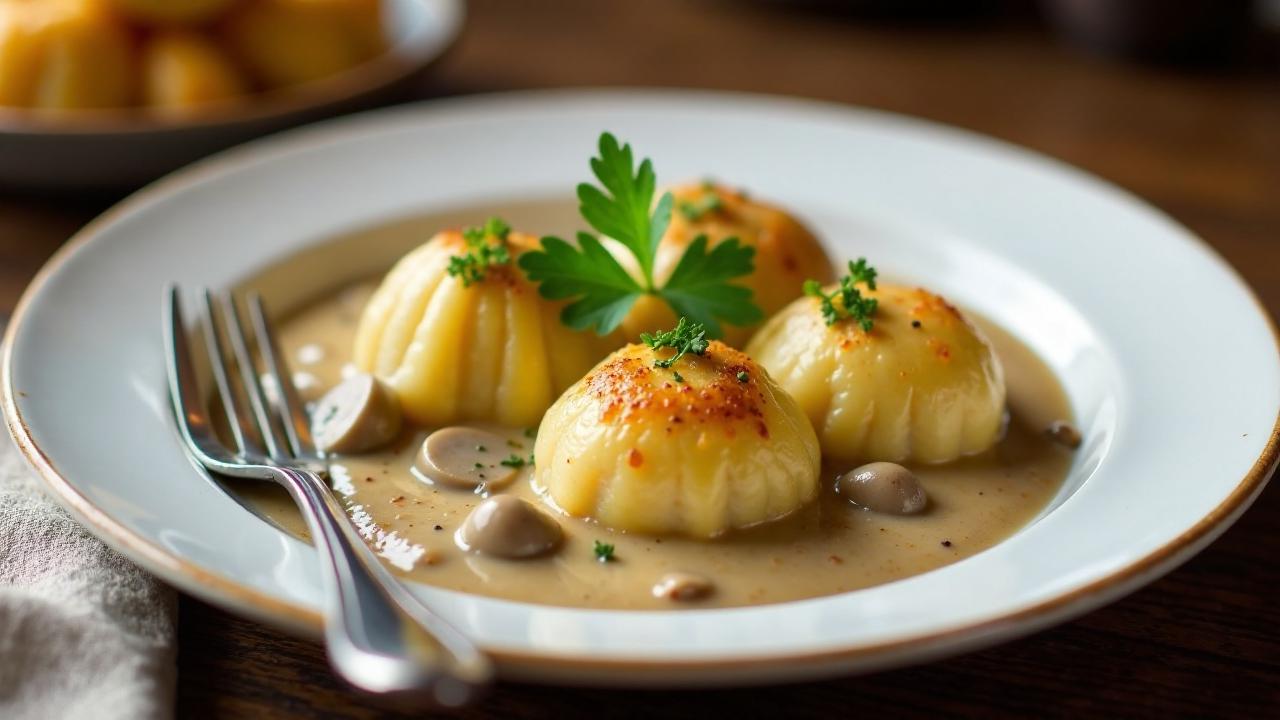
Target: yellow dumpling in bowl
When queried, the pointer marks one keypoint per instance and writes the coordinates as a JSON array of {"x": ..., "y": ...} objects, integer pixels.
[
  {"x": 63, "y": 55},
  {"x": 183, "y": 71},
  {"x": 922, "y": 385},
  {"x": 705, "y": 446},
  {"x": 480, "y": 344},
  {"x": 787, "y": 253},
  {"x": 292, "y": 42},
  {"x": 170, "y": 12}
]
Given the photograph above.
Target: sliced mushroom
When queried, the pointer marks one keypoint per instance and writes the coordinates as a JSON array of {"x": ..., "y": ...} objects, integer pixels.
[
  {"x": 1064, "y": 433},
  {"x": 682, "y": 586},
  {"x": 508, "y": 527},
  {"x": 357, "y": 415},
  {"x": 883, "y": 487},
  {"x": 466, "y": 458}
]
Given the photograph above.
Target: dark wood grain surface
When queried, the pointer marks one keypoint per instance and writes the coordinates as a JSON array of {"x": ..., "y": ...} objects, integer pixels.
[{"x": 1203, "y": 145}]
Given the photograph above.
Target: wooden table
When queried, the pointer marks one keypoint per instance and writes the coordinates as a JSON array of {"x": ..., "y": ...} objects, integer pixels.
[{"x": 1203, "y": 146}]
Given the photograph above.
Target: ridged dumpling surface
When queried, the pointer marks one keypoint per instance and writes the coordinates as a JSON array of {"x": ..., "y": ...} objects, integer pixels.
[
  {"x": 639, "y": 449},
  {"x": 922, "y": 385},
  {"x": 490, "y": 351},
  {"x": 787, "y": 253}
]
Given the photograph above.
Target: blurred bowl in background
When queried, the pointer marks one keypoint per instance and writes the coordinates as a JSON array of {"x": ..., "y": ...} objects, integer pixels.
[{"x": 122, "y": 148}]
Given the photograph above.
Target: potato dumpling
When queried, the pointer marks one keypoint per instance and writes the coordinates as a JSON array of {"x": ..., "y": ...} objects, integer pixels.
[
  {"x": 922, "y": 385},
  {"x": 170, "y": 12},
  {"x": 182, "y": 70},
  {"x": 63, "y": 55},
  {"x": 706, "y": 446},
  {"x": 290, "y": 42},
  {"x": 490, "y": 351},
  {"x": 787, "y": 253}
]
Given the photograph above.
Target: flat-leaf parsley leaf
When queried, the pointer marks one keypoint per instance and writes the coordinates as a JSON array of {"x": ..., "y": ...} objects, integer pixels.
[
  {"x": 699, "y": 286},
  {"x": 622, "y": 209},
  {"x": 604, "y": 290}
]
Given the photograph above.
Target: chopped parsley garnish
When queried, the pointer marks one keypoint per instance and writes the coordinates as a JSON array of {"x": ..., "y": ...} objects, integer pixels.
[
  {"x": 693, "y": 210},
  {"x": 743, "y": 376},
  {"x": 852, "y": 303},
  {"x": 687, "y": 337},
  {"x": 861, "y": 272},
  {"x": 604, "y": 553},
  {"x": 515, "y": 461},
  {"x": 480, "y": 448},
  {"x": 479, "y": 466},
  {"x": 481, "y": 253},
  {"x": 622, "y": 209},
  {"x": 675, "y": 375},
  {"x": 531, "y": 433}
]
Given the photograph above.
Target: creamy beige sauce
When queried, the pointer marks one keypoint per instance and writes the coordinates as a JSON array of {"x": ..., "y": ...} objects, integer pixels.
[{"x": 829, "y": 547}]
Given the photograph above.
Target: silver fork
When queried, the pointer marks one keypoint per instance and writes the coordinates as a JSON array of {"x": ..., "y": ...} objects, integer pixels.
[{"x": 379, "y": 637}]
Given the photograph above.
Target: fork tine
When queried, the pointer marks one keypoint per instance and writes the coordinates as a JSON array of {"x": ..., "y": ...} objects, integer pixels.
[
  {"x": 183, "y": 388},
  {"x": 247, "y": 437},
  {"x": 277, "y": 447},
  {"x": 296, "y": 425},
  {"x": 189, "y": 407}
]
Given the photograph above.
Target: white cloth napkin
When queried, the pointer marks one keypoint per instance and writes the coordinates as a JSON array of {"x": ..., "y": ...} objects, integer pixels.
[{"x": 83, "y": 632}]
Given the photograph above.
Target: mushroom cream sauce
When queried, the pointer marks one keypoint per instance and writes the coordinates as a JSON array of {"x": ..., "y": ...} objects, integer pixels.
[{"x": 830, "y": 546}]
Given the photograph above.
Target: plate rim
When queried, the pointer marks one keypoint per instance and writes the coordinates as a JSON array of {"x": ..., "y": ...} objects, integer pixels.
[{"x": 225, "y": 592}]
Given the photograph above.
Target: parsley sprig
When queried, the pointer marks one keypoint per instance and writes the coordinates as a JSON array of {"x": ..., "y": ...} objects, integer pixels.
[
  {"x": 686, "y": 337},
  {"x": 852, "y": 303},
  {"x": 693, "y": 210},
  {"x": 481, "y": 254},
  {"x": 622, "y": 209}
]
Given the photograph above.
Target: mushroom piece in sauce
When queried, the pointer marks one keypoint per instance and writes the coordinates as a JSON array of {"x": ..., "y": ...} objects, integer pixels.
[
  {"x": 508, "y": 527},
  {"x": 359, "y": 414},
  {"x": 682, "y": 586},
  {"x": 466, "y": 458},
  {"x": 883, "y": 487},
  {"x": 1064, "y": 433}
]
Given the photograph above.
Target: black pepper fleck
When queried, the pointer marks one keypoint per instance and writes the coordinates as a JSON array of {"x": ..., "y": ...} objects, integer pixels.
[
  {"x": 438, "y": 527},
  {"x": 915, "y": 323},
  {"x": 946, "y": 543}
]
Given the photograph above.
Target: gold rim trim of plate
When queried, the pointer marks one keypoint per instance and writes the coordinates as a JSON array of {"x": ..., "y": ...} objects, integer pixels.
[{"x": 230, "y": 595}]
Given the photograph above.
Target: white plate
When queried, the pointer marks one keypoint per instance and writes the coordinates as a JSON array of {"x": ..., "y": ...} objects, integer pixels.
[{"x": 1170, "y": 363}]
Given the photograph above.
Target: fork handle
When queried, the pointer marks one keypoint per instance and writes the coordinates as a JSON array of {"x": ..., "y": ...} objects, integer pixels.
[{"x": 379, "y": 637}]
